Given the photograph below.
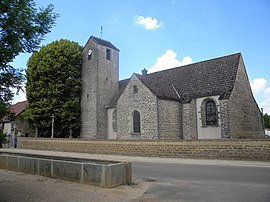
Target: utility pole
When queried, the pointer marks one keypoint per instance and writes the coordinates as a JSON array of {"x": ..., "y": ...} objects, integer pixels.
[
  {"x": 53, "y": 117},
  {"x": 263, "y": 119}
]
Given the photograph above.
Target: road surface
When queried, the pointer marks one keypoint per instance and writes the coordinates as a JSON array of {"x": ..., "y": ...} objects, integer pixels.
[
  {"x": 155, "y": 179},
  {"x": 189, "y": 182}
]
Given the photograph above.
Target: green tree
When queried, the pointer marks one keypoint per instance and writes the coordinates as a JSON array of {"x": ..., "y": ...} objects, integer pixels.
[
  {"x": 3, "y": 139},
  {"x": 3, "y": 110},
  {"x": 22, "y": 28},
  {"x": 266, "y": 118},
  {"x": 54, "y": 87}
]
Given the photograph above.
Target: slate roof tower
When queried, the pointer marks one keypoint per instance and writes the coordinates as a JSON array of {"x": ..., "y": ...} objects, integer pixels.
[{"x": 100, "y": 77}]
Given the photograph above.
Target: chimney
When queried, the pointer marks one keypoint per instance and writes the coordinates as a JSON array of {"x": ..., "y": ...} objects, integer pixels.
[{"x": 144, "y": 72}]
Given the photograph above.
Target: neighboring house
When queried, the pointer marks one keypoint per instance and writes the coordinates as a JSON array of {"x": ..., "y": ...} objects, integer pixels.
[
  {"x": 14, "y": 126},
  {"x": 267, "y": 132},
  {"x": 211, "y": 99}
]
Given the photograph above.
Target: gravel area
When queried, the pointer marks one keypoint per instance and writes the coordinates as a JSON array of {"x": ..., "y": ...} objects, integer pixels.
[{"x": 15, "y": 186}]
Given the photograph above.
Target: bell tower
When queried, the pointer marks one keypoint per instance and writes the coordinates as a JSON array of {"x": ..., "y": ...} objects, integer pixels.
[{"x": 100, "y": 77}]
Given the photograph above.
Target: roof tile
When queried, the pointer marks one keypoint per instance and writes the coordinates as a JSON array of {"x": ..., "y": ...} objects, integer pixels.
[
  {"x": 17, "y": 108},
  {"x": 201, "y": 79},
  {"x": 104, "y": 43}
]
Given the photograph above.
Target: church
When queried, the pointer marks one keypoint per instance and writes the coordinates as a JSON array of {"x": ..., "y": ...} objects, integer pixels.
[{"x": 211, "y": 99}]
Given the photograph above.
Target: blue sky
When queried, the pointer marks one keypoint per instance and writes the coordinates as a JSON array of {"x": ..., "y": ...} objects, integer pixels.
[{"x": 167, "y": 33}]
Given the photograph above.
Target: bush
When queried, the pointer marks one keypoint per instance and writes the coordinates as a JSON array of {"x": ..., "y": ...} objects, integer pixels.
[{"x": 3, "y": 139}]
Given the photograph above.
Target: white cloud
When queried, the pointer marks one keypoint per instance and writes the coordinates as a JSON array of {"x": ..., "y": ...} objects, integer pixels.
[
  {"x": 21, "y": 96},
  {"x": 266, "y": 101},
  {"x": 267, "y": 92},
  {"x": 147, "y": 22},
  {"x": 261, "y": 91},
  {"x": 258, "y": 85},
  {"x": 173, "y": 2},
  {"x": 168, "y": 60}
]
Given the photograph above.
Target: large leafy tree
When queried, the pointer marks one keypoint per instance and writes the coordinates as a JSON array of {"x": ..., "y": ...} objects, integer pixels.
[
  {"x": 266, "y": 118},
  {"x": 22, "y": 28},
  {"x": 54, "y": 87}
]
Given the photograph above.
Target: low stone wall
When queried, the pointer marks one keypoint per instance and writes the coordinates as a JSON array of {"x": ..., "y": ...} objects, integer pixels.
[
  {"x": 211, "y": 149},
  {"x": 99, "y": 173}
]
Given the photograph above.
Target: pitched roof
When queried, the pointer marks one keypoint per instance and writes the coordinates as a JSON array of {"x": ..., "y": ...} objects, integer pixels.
[
  {"x": 122, "y": 86},
  {"x": 207, "y": 78},
  {"x": 17, "y": 108},
  {"x": 201, "y": 79},
  {"x": 103, "y": 42}
]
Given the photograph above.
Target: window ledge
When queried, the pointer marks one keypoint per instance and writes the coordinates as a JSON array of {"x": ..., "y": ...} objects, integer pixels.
[
  {"x": 208, "y": 126},
  {"x": 135, "y": 133}
]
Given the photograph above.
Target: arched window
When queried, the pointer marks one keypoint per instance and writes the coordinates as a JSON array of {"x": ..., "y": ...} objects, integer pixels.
[
  {"x": 135, "y": 89},
  {"x": 211, "y": 113},
  {"x": 114, "y": 121},
  {"x": 136, "y": 122}
]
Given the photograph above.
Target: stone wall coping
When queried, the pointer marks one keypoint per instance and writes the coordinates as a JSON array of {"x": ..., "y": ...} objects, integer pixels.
[
  {"x": 171, "y": 142},
  {"x": 258, "y": 150}
]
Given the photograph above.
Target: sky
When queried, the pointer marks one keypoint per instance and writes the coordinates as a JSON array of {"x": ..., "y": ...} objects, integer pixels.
[{"x": 162, "y": 34}]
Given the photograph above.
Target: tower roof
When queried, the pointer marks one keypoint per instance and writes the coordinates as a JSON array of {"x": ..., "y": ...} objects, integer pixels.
[{"x": 103, "y": 42}]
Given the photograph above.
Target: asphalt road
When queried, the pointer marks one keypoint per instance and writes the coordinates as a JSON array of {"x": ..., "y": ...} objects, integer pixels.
[
  {"x": 155, "y": 179},
  {"x": 191, "y": 182}
]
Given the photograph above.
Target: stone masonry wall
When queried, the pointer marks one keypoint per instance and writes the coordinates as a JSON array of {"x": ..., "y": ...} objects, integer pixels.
[
  {"x": 225, "y": 119},
  {"x": 206, "y": 149},
  {"x": 88, "y": 97},
  {"x": 108, "y": 78},
  {"x": 170, "y": 114},
  {"x": 99, "y": 86},
  {"x": 189, "y": 120},
  {"x": 245, "y": 116},
  {"x": 145, "y": 102}
]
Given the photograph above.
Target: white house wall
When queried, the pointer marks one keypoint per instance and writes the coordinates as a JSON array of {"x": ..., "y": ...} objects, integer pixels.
[
  {"x": 207, "y": 132},
  {"x": 111, "y": 134},
  {"x": 7, "y": 128}
]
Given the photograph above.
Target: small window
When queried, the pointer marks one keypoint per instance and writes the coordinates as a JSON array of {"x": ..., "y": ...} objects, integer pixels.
[
  {"x": 108, "y": 54},
  {"x": 135, "y": 89},
  {"x": 211, "y": 113},
  {"x": 13, "y": 126},
  {"x": 136, "y": 122}
]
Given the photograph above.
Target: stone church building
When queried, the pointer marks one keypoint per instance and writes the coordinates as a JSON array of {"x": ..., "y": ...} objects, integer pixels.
[{"x": 211, "y": 99}]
